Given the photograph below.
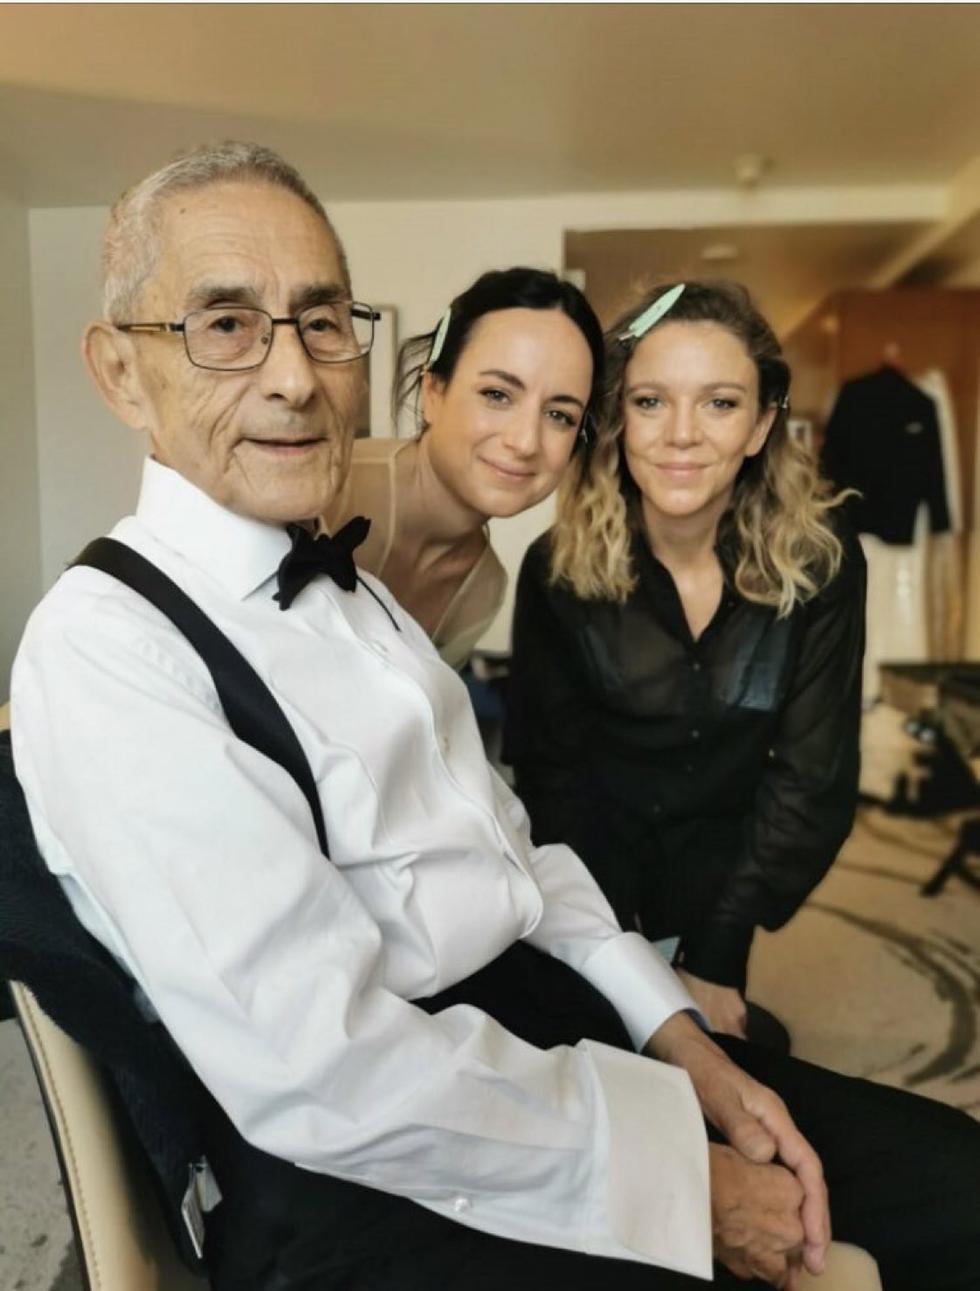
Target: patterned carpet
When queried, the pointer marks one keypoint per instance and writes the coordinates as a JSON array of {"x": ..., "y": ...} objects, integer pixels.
[
  {"x": 875, "y": 980},
  {"x": 870, "y": 978}
]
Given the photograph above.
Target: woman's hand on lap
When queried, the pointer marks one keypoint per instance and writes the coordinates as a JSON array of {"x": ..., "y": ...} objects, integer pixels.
[{"x": 722, "y": 1006}]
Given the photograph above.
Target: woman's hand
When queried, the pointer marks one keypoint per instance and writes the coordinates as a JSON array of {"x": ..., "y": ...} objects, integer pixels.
[{"x": 722, "y": 1006}]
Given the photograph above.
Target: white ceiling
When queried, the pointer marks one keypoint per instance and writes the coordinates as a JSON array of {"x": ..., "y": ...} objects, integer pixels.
[{"x": 384, "y": 101}]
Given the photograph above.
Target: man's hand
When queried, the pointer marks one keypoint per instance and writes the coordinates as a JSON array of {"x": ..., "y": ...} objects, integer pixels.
[
  {"x": 723, "y": 1006},
  {"x": 752, "y": 1118},
  {"x": 756, "y": 1227}
]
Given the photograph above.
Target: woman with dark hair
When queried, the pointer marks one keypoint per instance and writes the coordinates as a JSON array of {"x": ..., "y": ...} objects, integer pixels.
[
  {"x": 687, "y": 647},
  {"x": 504, "y": 389}
]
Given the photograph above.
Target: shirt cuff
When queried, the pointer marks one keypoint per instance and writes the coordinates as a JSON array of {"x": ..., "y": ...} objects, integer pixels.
[
  {"x": 659, "y": 1206},
  {"x": 718, "y": 952},
  {"x": 639, "y": 983}
]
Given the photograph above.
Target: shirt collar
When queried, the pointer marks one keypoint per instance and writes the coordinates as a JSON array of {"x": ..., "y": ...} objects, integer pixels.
[{"x": 238, "y": 552}]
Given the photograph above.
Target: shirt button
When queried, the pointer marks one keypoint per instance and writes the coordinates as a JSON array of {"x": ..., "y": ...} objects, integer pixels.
[
  {"x": 689, "y": 767},
  {"x": 695, "y": 665},
  {"x": 445, "y": 744},
  {"x": 657, "y": 809},
  {"x": 461, "y": 1205},
  {"x": 695, "y": 735}
]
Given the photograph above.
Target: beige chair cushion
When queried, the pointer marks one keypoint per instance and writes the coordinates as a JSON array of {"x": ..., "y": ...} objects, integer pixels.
[
  {"x": 124, "y": 1244},
  {"x": 848, "y": 1269}
]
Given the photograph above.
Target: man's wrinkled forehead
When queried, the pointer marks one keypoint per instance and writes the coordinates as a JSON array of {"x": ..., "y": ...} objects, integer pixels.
[{"x": 249, "y": 243}]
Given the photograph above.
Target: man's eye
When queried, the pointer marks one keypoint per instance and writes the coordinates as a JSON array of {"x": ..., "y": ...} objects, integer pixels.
[
  {"x": 724, "y": 404},
  {"x": 227, "y": 324},
  {"x": 320, "y": 324},
  {"x": 646, "y": 401}
]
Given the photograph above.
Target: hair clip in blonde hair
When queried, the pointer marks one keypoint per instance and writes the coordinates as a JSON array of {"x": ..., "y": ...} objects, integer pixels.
[
  {"x": 439, "y": 340},
  {"x": 652, "y": 314}
]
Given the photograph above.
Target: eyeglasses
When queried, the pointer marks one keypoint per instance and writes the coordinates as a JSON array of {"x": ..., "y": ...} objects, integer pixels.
[{"x": 234, "y": 338}]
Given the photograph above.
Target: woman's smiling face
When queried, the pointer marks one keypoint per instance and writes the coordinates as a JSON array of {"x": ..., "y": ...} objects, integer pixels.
[
  {"x": 502, "y": 429},
  {"x": 692, "y": 417}
]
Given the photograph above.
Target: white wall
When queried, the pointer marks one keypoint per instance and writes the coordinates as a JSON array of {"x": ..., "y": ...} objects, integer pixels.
[
  {"x": 89, "y": 463},
  {"x": 413, "y": 255},
  {"x": 20, "y": 567}
]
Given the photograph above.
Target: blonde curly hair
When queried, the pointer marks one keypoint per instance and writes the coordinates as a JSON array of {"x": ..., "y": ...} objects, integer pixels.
[{"x": 786, "y": 548}]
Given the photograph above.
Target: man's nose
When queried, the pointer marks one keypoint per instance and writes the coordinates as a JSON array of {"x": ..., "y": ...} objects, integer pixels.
[{"x": 287, "y": 372}]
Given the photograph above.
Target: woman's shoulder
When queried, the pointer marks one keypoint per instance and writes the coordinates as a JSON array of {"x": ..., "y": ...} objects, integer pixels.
[
  {"x": 849, "y": 579},
  {"x": 371, "y": 451},
  {"x": 369, "y": 490},
  {"x": 536, "y": 565}
]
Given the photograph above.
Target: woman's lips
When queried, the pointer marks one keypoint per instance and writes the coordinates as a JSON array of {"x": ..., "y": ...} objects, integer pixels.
[
  {"x": 513, "y": 475},
  {"x": 679, "y": 470}
]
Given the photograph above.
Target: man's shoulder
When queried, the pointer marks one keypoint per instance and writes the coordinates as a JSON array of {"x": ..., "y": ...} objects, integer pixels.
[{"x": 88, "y": 616}]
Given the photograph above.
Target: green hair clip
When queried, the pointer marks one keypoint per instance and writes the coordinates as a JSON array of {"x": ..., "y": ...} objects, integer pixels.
[
  {"x": 652, "y": 314},
  {"x": 439, "y": 340}
]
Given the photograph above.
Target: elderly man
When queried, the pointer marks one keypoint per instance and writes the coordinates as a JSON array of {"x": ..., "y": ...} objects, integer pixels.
[{"x": 412, "y": 1041}]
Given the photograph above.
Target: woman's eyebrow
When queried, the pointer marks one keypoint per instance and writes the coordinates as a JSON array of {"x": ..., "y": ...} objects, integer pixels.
[
  {"x": 652, "y": 384},
  {"x": 501, "y": 375},
  {"x": 510, "y": 379}
]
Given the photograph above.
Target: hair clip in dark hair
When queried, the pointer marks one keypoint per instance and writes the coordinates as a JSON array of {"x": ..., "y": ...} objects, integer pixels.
[
  {"x": 783, "y": 403},
  {"x": 439, "y": 340},
  {"x": 652, "y": 314}
]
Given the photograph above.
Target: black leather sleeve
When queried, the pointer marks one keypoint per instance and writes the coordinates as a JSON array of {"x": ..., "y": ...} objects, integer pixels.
[
  {"x": 548, "y": 724},
  {"x": 804, "y": 804}
]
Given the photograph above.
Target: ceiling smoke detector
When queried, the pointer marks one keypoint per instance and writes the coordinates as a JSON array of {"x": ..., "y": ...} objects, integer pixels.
[{"x": 749, "y": 168}]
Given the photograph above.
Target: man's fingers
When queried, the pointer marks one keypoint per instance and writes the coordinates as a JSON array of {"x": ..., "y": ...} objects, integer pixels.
[
  {"x": 749, "y": 1136},
  {"x": 797, "y": 1154}
]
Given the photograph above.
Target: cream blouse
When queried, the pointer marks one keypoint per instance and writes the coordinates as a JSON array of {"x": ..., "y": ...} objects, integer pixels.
[{"x": 370, "y": 490}]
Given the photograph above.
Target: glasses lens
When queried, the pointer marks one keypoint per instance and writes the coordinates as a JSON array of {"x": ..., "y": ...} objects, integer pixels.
[
  {"x": 336, "y": 332},
  {"x": 227, "y": 337}
]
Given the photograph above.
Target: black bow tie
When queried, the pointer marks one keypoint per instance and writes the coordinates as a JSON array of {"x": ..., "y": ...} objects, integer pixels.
[{"x": 323, "y": 555}]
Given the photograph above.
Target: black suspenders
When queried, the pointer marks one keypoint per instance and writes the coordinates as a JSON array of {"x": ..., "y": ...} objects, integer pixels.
[{"x": 252, "y": 711}]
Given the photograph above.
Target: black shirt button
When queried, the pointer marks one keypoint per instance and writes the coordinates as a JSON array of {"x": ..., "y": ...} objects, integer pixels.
[
  {"x": 695, "y": 735},
  {"x": 695, "y": 665}
]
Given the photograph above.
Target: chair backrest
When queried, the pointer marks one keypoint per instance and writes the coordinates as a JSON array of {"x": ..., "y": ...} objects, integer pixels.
[{"x": 123, "y": 1243}]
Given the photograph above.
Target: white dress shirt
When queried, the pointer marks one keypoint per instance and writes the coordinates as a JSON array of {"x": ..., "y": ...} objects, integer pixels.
[{"x": 286, "y": 979}]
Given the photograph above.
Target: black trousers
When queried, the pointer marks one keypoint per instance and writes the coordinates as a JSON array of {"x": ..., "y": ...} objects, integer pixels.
[{"x": 903, "y": 1174}]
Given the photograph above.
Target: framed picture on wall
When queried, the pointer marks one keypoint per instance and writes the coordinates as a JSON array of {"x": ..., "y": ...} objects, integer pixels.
[{"x": 374, "y": 414}]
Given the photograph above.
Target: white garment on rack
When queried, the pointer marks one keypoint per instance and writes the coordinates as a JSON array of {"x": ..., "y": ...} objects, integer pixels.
[
  {"x": 971, "y": 634},
  {"x": 897, "y": 624},
  {"x": 934, "y": 384}
]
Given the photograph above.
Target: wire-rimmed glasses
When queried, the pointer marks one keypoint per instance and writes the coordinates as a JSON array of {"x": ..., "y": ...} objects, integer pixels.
[{"x": 234, "y": 338}]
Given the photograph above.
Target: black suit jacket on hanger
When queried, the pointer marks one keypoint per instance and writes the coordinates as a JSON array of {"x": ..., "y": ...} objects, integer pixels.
[{"x": 883, "y": 439}]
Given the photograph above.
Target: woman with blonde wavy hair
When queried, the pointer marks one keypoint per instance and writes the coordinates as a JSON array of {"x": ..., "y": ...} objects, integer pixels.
[{"x": 688, "y": 639}]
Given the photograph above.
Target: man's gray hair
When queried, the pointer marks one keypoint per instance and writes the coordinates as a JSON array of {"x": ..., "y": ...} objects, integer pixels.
[{"x": 132, "y": 240}]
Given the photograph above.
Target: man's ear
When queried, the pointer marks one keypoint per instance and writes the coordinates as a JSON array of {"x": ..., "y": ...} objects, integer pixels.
[{"x": 110, "y": 357}]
